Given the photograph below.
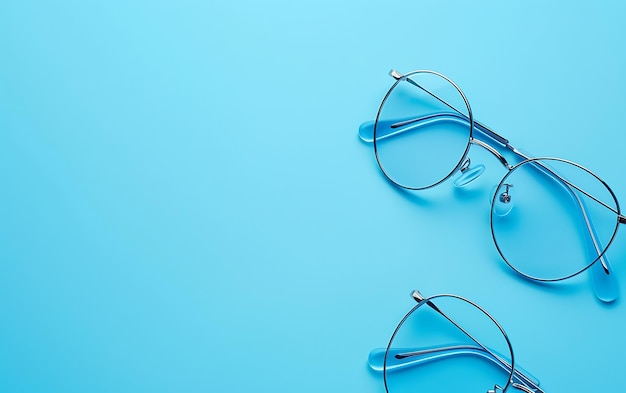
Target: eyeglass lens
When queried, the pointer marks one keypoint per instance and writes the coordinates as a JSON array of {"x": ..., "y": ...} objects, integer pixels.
[
  {"x": 562, "y": 217},
  {"x": 447, "y": 344},
  {"x": 422, "y": 130}
]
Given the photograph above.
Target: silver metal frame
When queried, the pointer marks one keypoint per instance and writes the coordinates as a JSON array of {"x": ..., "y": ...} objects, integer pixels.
[
  {"x": 603, "y": 262},
  {"x": 523, "y": 158},
  {"x": 399, "y": 77},
  {"x": 525, "y": 383}
]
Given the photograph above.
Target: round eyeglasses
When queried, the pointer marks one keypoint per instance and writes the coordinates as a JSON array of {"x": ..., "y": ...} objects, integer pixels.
[
  {"x": 447, "y": 341},
  {"x": 550, "y": 218}
]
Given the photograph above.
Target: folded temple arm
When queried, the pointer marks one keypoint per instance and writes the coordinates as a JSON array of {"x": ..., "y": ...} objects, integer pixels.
[{"x": 403, "y": 358}]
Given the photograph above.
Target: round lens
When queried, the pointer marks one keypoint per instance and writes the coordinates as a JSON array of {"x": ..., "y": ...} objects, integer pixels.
[
  {"x": 448, "y": 343},
  {"x": 560, "y": 218},
  {"x": 422, "y": 130}
]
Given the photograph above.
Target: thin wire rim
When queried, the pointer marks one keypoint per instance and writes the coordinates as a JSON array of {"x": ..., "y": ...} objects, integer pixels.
[
  {"x": 448, "y": 295},
  {"x": 491, "y": 214},
  {"x": 467, "y": 147}
]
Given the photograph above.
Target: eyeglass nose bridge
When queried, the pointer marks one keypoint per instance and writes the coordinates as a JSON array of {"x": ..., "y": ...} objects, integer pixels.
[
  {"x": 491, "y": 150},
  {"x": 468, "y": 174}
]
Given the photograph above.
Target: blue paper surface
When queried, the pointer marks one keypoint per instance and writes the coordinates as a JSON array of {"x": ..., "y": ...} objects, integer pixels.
[{"x": 185, "y": 204}]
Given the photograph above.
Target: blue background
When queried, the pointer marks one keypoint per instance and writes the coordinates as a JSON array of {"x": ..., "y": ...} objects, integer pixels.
[{"x": 185, "y": 204}]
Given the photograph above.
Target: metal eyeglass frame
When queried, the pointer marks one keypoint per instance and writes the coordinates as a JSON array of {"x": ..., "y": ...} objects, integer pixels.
[
  {"x": 604, "y": 281},
  {"x": 518, "y": 378}
]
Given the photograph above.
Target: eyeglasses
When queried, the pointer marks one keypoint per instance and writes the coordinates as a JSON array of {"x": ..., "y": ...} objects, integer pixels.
[
  {"x": 477, "y": 351},
  {"x": 550, "y": 218}
]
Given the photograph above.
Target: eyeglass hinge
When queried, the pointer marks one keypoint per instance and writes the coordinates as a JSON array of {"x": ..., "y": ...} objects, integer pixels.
[
  {"x": 417, "y": 295},
  {"x": 395, "y": 74},
  {"x": 621, "y": 219}
]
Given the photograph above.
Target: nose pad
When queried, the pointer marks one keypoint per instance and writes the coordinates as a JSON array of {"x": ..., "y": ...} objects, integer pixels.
[
  {"x": 503, "y": 203},
  {"x": 467, "y": 175}
]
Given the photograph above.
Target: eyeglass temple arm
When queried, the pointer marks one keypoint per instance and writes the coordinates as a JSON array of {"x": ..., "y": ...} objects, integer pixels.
[
  {"x": 419, "y": 298},
  {"x": 395, "y": 126},
  {"x": 483, "y": 128},
  {"x": 604, "y": 281},
  {"x": 411, "y": 357}
]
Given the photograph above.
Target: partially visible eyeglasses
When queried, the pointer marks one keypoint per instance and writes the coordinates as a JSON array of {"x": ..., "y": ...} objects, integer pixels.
[
  {"x": 449, "y": 343},
  {"x": 565, "y": 216}
]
